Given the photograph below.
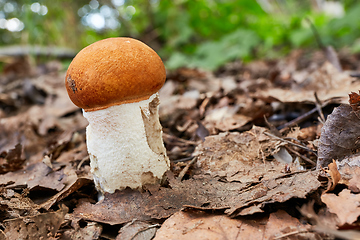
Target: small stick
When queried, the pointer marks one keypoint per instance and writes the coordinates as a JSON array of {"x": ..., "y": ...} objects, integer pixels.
[
  {"x": 304, "y": 116},
  {"x": 289, "y": 142},
  {"x": 319, "y": 107},
  {"x": 186, "y": 168},
  {"x": 145, "y": 229},
  {"x": 306, "y": 159},
  {"x": 183, "y": 159},
  {"x": 297, "y": 120},
  {"x": 82, "y": 161},
  {"x": 292, "y": 233}
]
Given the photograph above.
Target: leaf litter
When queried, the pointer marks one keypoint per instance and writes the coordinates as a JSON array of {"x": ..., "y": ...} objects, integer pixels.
[{"x": 243, "y": 142}]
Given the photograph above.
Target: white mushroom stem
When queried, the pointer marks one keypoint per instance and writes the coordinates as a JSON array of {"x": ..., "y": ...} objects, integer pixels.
[{"x": 125, "y": 145}]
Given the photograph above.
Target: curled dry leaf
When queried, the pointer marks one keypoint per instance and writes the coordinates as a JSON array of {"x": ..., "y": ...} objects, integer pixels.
[
  {"x": 334, "y": 178},
  {"x": 339, "y": 135}
]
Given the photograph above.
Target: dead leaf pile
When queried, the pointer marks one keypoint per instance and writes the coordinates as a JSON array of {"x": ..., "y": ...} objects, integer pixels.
[{"x": 243, "y": 143}]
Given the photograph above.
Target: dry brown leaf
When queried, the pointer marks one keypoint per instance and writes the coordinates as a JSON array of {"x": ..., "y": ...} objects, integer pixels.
[
  {"x": 36, "y": 175},
  {"x": 203, "y": 192},
  {"x": 12, "y": 160},
  {"x": 226, "y": 118},
  {"x": 240, "y": 182},
  {"x": 18, "y": 129},
  {"x": 325, "y": 224},
  {"x": 200, "y": 225},
  {"x": 350, "y": 177},
  {"x": 281, "y": 224},
  {"x": 39, "y": 176},
  {"x": 345, "y": 205},
  {"x": 92, "y": 231},
  {"x": 280, "y": 189},
  {"x": 42, "y": 226},
  {"x": 73, "y": 183},
  {"x": 326, "y": 81},
  {"x": 127, "y": 205},
  {"x": 16, "y": 204},
  {"x": 228, "y": 154},
  {"x": 339, "y": 135}
]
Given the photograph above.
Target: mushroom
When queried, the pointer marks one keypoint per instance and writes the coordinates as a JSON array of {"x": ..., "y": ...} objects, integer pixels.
[{"x": 116, "y": 82}]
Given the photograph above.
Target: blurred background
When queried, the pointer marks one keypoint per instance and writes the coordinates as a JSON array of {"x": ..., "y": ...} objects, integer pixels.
[{"x": 191, "y": 33}]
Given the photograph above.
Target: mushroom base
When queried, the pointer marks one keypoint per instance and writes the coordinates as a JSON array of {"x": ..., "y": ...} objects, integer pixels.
[{"x": 125, "y": 145}]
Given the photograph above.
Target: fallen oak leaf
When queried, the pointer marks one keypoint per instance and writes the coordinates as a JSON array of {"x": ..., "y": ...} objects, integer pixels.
[{"x": 345, "y": 206}]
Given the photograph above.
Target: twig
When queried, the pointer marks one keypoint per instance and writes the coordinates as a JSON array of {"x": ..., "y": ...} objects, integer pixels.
[
  {"x": 297, "y": 120},
  {"x": 145, "y": 229},
  {"x": 183, "y": 159},
  {"x": 289, "y": 142},
  {"x": 171, "y": 137},
  {"x": 186, "y": 168},
  {"x": 82, "y": 161},
  {"x": 319, "y": 107},
  {"x": 292, "y": 233},
  {"x": 306, "y": 159},
  {"x": 272, "y": 128},
  {"x": 303, "y": 117},
  {"x": 355, "y": 75}
]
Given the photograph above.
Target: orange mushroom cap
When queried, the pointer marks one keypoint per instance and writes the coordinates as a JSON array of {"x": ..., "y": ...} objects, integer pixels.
[{"x": 114, "y": 71}]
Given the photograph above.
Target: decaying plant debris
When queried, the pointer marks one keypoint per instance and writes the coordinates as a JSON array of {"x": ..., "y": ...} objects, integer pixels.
[{"x": 243, "y": 141}]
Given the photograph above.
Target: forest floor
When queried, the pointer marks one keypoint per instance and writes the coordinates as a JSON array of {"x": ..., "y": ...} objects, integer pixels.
[{"x": 262, "y": 150}]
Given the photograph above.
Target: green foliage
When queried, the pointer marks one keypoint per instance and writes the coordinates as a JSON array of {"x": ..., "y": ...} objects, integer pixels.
[
  {"x": 194, "y": 33},
  {"x": 207, "y": 34},
  {"x": 213, "y": 54}
]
